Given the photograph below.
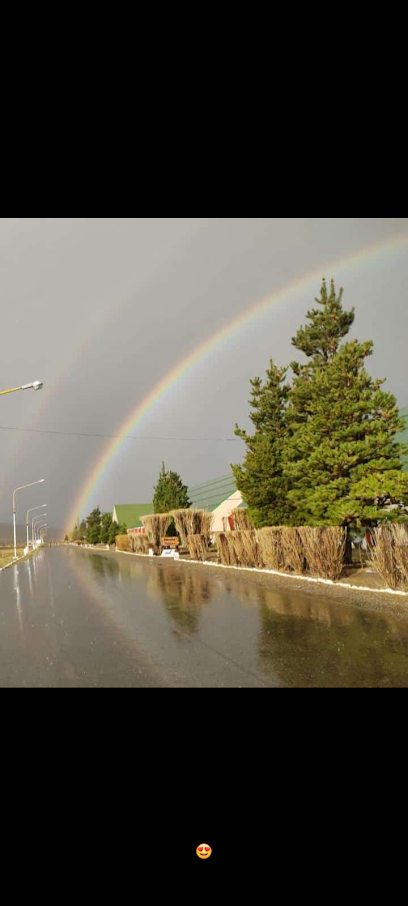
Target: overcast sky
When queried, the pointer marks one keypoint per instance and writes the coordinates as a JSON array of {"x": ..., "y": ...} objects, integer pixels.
[{"x": 101, "y": 309}]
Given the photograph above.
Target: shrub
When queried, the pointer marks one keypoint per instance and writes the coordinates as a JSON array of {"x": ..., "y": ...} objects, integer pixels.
[
  {"x": 400, "y": 534},
  {"x": 271, "y": 548},
  {"x": 226, "y": 554},
  {"x": 198, "y": 546},
  {"x": 192, "y": 522},
  {"x": 241, "y": 520},
  {"x": 156, "y": 527},
  {"x": 324, "y": 550},
  {"x": 139, "y": 544},
  {"x": 238, "y": 549},
  {"x": 293, "y": 552},
  {"x": 245, "y": 548},
  {"x": 122, "y": 542},
  {"x": 390, "y": 555}
]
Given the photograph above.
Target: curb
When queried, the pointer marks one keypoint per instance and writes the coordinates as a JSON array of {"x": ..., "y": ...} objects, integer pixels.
[
  {"x": 272, "y": 572},
  {"x": 316, "y": 581},
  {"x": 19, "y": 560}
]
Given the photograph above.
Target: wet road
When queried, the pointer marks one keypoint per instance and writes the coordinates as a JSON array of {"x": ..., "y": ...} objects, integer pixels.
[{"x": 74, "y": 618}]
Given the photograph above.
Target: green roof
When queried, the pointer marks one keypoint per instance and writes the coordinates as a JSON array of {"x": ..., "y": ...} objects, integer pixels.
[
  {"x": 212, "y": 494},
  {"x": 130, "y": 513}
]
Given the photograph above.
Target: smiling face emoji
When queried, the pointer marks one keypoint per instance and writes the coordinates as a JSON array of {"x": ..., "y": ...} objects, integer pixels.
[{"x": 203, "y": 851}]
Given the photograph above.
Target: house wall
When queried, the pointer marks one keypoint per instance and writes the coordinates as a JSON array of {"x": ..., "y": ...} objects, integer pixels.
[{"x": 224, "y": 510}]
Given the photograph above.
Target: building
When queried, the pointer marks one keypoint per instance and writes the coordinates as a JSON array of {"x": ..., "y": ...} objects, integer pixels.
[
  {"x": 219, "y": 496},
  {"x": 129, "y": 514}
]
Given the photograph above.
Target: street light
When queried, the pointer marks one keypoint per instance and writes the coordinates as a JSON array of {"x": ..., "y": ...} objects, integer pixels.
[
  {"x": 34, "y": 528},
  {"x": 35, "y": 520},
  {"x": 35, "y": 385},
  {"x": 39, "y": 529},
  {"x": 23, "y": 487},
  {"x": 33, "y": 508}
]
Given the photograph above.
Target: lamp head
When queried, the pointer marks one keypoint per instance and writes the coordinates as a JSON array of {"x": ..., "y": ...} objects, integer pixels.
[{"x": 35, "y": 385}]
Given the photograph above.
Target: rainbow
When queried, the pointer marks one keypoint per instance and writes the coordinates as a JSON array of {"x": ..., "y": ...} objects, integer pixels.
[{"x": 185, "y": 365}]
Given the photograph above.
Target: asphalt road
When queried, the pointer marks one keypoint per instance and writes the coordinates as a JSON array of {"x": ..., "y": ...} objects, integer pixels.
[{"x": 75, "y": 618}]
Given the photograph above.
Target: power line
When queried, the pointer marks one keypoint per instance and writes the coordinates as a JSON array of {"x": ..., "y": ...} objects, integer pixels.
[
  {"x": 214, "y": 481},
  {"x": 118, "y": 436}
]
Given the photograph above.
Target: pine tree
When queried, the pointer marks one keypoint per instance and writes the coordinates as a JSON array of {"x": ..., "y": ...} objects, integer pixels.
[
  {"x": 170, "y": 493},
  {"x": 105, "y": 527},
  {"x": 328, "y": 326},
  {"x": 116, "y": 530},
  {"x": 261, "y": 479},
  {"x": 342, "y": 459},
  {"x": 93, "y": 527}
]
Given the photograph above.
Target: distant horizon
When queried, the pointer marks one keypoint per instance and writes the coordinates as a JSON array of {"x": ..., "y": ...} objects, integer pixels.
[{"x": 6, "y": 532}]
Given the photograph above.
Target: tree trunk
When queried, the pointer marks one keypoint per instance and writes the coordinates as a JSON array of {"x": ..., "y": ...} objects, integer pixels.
[{"x": 348, "y": 556}]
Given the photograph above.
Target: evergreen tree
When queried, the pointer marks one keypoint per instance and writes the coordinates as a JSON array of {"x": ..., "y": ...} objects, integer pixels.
[
  {"x": 93, "y": 527},
  {"x": 170, "y": 493},
  {"x": 261, "y": 478},
  {"x": 342, "y": 460},
  {"x": 115, "y": 530},
  {"x": 105, "y": 527},
  {"x": 328, "y": 326}
]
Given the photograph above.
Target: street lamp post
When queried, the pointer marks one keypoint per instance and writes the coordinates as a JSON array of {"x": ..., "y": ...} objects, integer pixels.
[
  {"x": 33, "y": 528},
  {"x": 33, "y": 508},
  {"x": 35, "y": 385},
  {"x": 40, "y": 528},
  {"x": 23, "y": 487}
]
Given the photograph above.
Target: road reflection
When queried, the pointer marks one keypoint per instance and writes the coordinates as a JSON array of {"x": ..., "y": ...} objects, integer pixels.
[
  {"x": 183, "y": 595},
  {"x": 73, "y": 617}
]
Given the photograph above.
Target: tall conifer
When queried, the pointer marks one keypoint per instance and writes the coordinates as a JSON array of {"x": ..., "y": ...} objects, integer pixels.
[
  {"x": 342, "y": 460},
  {"x": 170, "y": 493},
  {"x": 260, "y": 479}
]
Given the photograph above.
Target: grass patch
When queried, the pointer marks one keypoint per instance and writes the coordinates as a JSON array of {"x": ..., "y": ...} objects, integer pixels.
[{"x": 7, "y": 554}]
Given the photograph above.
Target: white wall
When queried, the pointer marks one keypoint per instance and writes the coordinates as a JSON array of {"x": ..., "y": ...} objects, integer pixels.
[{"x": 225, "y": 510}]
